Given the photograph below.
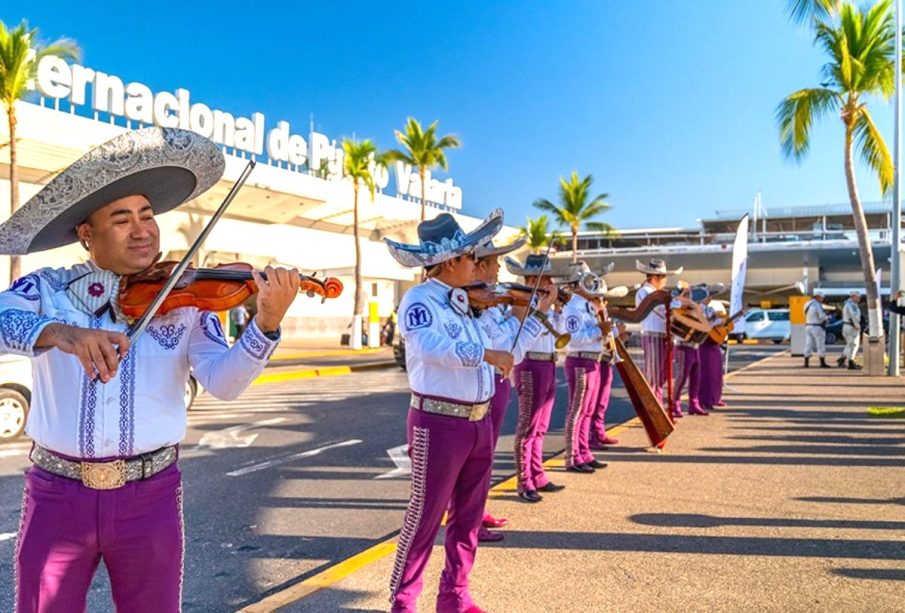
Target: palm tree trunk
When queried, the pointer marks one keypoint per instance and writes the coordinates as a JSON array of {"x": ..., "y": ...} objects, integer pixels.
[
  {"x": 421, "y": 173},
  {"x": 867, "y": 254},
  {"x": 574, "y": 244},
  {"x": 14, "y": 263},
  {"x": 357, "y": 307}
]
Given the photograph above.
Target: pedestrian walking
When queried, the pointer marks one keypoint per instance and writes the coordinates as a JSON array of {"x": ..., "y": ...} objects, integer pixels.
[
  {"x": 815, "y": 330},
  {"x": 851, "y": 331}
]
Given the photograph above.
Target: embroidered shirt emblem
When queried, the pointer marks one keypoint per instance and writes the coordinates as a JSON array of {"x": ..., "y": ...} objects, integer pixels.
[
  {"x": 453, "y": 329},
  {"x": 458, "y": 298},
  {"x": 418, "y": 316},
  {"x": 96, "y": 289},
  {"x": 572, "y": 323}
]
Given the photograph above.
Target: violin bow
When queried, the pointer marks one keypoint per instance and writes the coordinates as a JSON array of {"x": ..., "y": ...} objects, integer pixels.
[
  {"x": 141, "y": 325},
  {"x": 521, "y": 323}
]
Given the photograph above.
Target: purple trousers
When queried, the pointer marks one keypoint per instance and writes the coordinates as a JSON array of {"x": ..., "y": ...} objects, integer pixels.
[
  {"x": 711, "y": 357},
  {"x": 67, "y": 528},
  {"x": 598, "y": 417},
  {"x": 451, "y": 462},
  {"x": 654, "y": 348},
  {"x": 498, "y": 405},
  {"x": 535, "y": 382},
  {"x": 688, "y": 372},
  {"x": 583, "y": 378}
]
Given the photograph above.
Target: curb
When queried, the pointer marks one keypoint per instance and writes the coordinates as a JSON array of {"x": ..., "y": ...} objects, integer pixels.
[{"x": 324, "y": 371}]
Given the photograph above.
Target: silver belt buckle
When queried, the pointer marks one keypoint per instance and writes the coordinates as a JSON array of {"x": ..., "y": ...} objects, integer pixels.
[{"x": 104, "y": 475}]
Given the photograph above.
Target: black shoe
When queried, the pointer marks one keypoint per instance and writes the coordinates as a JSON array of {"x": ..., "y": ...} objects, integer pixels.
[
  {"x": 596, "y": 464},
  {"x": 841, "y": 361},
  {"x": 580, "y": 468},
  {"x": 823, "y": 363},
  {"x": 551, "y": 487},
  {"x": 530, "y": 496},
  {"x": 853, "y": 366},
  {"x": 807, "y": 362}
]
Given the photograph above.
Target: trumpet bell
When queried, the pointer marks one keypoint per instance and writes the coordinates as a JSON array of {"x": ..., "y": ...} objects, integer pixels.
[{"x": 562, "y": 340}]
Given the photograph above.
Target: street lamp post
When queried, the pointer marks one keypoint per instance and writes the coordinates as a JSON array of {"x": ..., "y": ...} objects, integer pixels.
[{"x": 895, "y": 269}]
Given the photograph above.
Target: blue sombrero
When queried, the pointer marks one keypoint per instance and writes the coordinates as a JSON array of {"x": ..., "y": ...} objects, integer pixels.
[
  {"x": 534, "y": 265},
  {"x": 488, "y": 249},
  {"x": 443, "y": 239}
]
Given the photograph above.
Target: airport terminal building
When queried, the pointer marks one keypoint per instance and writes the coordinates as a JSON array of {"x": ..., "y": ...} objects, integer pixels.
[{"x": 295, "y": 210}]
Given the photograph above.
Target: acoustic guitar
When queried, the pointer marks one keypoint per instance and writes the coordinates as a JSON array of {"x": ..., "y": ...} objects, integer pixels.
[{"x": 720, "y": 332}]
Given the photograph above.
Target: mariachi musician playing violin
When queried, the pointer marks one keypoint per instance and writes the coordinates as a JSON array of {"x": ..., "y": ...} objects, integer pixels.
[
  {"x": 107, "y": 415},
  {"x": 502, "y": 327},
  {"x": 535, "y": 382},
  {"x": 450, "y": 365}
]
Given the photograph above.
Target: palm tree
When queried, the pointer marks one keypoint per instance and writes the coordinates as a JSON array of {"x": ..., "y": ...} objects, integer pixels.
[
  {"x": 576, "y": 209},
  {"x": 422, "y": 150},
  {"x": 801, "y": 11},
  {"x": 20, "y": 53},
  {"x": 861, "y": 48},
  {"x": 537, "y": 233},
  {"x": 359, "y": 159}
]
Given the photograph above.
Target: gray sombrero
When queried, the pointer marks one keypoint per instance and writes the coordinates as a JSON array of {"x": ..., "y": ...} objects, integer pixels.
[
  {"x": 442, "y": 239},
  {"x": 656, "y": 266},
  {"x": 576, "y": 269},
  {"x": 535, "y": 265},
  {"x": 488, "y": 249},
  {"x": 166, "y": 165}
]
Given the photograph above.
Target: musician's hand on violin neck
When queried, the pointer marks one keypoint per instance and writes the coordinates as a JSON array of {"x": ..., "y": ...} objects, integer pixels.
[
  {"x": 98, "y": 351},
  {"x": 501, "y": 359},
  {"x": 275, "y": 294},
  {"x": 547, "y": 299}
]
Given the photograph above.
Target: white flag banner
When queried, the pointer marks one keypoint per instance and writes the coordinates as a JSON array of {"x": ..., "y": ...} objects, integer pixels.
[{"x": 739, "y": 271}]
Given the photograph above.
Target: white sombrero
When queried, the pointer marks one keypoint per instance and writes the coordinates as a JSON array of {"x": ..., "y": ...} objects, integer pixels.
[
  {"x": 488, "y": 249},
  {"x": 166, "y": 165},
  {"x": 443, "y": 239},
  {"x": 656, "y": 266}
]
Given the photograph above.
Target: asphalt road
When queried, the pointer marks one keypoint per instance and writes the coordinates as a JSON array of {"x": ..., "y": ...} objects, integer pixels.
[{"x": 290, "y": 479}]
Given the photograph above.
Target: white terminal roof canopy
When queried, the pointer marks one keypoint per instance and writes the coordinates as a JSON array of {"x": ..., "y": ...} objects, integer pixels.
[{"x": 49, "y": 140}]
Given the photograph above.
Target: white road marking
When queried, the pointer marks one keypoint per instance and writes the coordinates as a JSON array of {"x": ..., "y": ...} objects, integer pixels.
[
  {"x": 400, "y": 457},
  {"x": 6, "y": 536},
  {"x": 229, "y": 437},
  {"x": 12, "y": 453},
  {"x": 295, "y": 456}
]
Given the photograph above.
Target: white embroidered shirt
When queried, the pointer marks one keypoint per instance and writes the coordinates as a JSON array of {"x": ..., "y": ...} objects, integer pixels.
[
  {"x": 655, "y": 322},
  {"x": 581, "y": 323},
  {"x": 142, "y": 407}
]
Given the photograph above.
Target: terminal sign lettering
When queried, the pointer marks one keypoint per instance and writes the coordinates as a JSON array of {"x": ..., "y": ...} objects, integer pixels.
[{"x": 135, "y": 101}]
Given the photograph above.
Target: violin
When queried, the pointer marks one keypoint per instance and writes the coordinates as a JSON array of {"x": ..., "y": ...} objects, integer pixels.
[
  {"x": 482, "y": 296},
  {"x": 211, "y": 289}
]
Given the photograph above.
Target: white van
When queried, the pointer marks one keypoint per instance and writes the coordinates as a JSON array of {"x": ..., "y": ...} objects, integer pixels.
[{"x": 768, "y": 324}]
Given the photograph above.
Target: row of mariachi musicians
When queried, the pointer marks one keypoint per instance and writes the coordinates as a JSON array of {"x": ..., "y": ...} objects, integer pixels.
[{"x": 465, "y": 354}]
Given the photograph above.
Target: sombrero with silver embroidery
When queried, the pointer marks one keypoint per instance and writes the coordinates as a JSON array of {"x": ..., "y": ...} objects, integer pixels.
[
  {"x": 534, "y": 265},
  {"x": 442, "y": 239},
  {"x": 656, "y": 266},
  {"x": 166, "y": 165},
  {"x": 576, "y": 270},
  {"x": 488, "y": 249}
]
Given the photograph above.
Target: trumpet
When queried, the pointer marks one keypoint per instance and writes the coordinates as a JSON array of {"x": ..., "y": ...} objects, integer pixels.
[{"x": 561, "y": 339}]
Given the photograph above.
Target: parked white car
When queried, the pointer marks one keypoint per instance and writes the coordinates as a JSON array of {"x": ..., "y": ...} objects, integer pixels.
[
  {"x": 15, "y": 395},
  {"x": 768, "y": 324}
]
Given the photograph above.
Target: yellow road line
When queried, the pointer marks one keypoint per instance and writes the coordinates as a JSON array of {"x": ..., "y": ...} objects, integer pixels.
[
  {"x": 323, "y": 579},
  {"x": 279, "y": 377},
  {"x": 323, "y": 354},
  {"x": 349, "y": 566}
]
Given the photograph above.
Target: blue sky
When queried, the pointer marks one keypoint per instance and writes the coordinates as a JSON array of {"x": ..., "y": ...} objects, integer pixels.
[{"x": 668, "y": 104}]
